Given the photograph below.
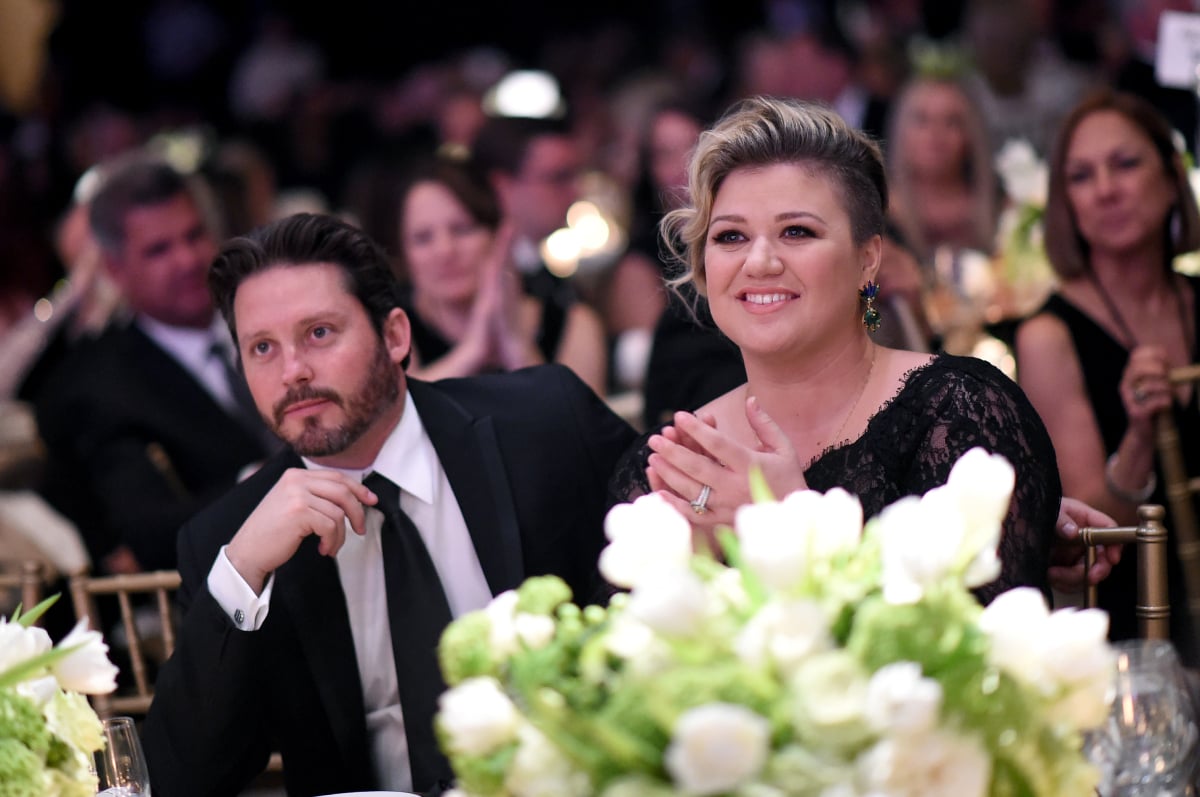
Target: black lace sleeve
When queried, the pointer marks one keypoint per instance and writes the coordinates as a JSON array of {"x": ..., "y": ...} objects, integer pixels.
[{"x": 943, "y": 410}]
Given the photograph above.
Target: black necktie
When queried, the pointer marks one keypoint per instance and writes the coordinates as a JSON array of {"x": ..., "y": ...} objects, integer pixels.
[{"x": 417, "y": 613}]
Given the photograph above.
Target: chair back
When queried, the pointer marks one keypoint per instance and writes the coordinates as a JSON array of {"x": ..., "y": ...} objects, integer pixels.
[
  {"x": 131, "y": 593},
  {"x": 1180, "y": 489},
  {"x": 26, "y": 578},
  {"x": 1150, "y": 535}
]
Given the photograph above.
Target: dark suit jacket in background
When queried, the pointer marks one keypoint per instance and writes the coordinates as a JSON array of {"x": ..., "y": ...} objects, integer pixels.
[
  {"x": 136, "y": 445},
  {"x": 527, "y": 454}
]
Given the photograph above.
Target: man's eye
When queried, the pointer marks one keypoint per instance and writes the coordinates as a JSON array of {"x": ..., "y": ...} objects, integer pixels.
[{"x": 261, "y": 348}]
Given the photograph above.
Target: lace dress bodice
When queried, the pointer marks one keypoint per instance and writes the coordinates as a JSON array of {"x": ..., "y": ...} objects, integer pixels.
[{"x": 942, "y": 410}]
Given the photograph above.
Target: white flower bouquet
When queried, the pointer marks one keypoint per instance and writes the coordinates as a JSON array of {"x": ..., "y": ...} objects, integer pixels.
[
  {"x": 818, "y": 658},
  {"x": 48, "y": 730}
]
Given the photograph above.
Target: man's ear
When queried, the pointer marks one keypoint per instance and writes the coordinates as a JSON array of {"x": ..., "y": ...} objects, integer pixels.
[{"x": 397, "y": 335}]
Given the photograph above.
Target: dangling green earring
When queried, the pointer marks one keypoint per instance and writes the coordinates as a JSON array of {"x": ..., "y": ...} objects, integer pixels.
[{"x": 870, "y": 317}]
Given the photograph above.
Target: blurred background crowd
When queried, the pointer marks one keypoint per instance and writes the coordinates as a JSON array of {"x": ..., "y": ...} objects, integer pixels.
[{"x": 402, "y": 120}]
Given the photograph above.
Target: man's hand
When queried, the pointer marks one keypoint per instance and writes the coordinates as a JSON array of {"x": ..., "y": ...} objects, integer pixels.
[{"x": 301, "y": 503}]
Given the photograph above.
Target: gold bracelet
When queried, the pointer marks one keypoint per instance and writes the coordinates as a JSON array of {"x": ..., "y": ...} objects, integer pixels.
[{"x": 1133, "y": 497}]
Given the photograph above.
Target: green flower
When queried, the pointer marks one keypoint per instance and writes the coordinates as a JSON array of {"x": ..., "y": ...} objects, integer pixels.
[
  {"x": 21, "y": 771},
  {"x": 71, "y": 718},
  {"x": 21, "y": 722}
]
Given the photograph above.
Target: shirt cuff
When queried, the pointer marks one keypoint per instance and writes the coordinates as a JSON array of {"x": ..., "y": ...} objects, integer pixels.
[{"x": 231, "y": 592}]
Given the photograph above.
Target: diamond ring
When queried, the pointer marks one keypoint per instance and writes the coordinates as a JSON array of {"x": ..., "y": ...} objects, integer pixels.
[{"x": 700, "y": 505}]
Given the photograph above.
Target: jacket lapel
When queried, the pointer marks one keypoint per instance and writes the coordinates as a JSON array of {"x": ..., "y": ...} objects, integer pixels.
[
  {"x": 309, "y": 585},
  {"x": 470, "y": 455}
]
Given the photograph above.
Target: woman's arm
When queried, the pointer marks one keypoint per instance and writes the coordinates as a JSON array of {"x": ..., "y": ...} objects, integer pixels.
[{"x": 582, "y": 348}]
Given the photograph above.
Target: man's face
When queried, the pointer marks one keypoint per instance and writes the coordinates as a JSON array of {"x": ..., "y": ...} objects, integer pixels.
[
  {"x": 162, "y": 269},
  {"x": 322, "y": 378},
  {"x": 538, "y": 196}
]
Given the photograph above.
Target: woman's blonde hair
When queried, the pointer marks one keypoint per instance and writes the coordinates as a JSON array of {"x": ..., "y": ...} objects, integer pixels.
[
  {"x": 764, "y": 131},
  {"x": 1065, "y": 247},
  {"x": 977, "y": 172}
]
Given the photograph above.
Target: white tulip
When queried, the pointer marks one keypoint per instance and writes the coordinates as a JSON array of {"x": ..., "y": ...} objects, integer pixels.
[
  {"x": 717, "y": 747},
  {"x": 1025, "y": 176},
  {"x": 1015, "y": 621},
  {"x": 784, "y": 633},
  {"x": 772, "y": 539},
  {"x": 901, "y": 700},
  {"x": 19, "y": 644},
  {"x": 477, "y": 716},
  {"x": 836, "y": 524},
  {"x": 646, "y": 538},
  {"x": 86, "y": 669},
  {"x": 919, "y": 540},
  {"x": 534, "y": 630},
  {"x": 674, "y": 603}
]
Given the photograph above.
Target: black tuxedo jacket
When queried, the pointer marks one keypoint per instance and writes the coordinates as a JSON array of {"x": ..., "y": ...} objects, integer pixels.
[
  {"x": 527, "y": 455},
  {"x": 137, "y": 445}
]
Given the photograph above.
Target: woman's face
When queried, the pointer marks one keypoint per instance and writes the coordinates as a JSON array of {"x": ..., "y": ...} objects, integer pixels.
[
  {"x": 443, "y": 243},
  {"x": 934, "y": 138},
  {"x": 1119, "y": 192},
  {"x": 672, "y": 137},
  {"x": 782, "y": 269}
]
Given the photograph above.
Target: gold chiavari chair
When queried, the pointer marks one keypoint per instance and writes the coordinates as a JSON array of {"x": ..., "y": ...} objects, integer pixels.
[
  {"x": 128, "y": 590},
  {"x": 1150, "y": 535},
  {"x": 26, "y": 578},
  {"x": 1180, "y": 490}
]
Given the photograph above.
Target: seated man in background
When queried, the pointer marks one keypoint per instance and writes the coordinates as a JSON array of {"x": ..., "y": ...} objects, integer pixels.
[
  {"x": 143, "y": 424},
  {"x": 315, "y": 592}
]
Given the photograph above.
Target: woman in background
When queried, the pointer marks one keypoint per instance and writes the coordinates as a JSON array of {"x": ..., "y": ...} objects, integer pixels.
[
  {"x": 1094, "y": 359},
  {"x": 465, "y": 302}
]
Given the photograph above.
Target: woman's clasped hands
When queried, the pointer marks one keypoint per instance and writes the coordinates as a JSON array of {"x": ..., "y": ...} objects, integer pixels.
[{"x": 704, "y": 472}]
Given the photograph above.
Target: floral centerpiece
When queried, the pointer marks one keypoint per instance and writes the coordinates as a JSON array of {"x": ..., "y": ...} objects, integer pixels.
[
  {"x": 818, "y": 657},
  {"x": 1020, "y": 247},
  {"x": 48, "y": 730}
]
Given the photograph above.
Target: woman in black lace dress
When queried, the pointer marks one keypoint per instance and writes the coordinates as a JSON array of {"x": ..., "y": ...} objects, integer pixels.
[
  {"x": 782, "y": 232},
  {"x": 1094, "y": 359}
]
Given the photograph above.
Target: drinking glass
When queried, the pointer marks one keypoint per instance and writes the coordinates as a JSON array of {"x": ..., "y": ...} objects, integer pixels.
[
  {"x": 121, "y": 765},
  {"x": 1147, "y": 747}
]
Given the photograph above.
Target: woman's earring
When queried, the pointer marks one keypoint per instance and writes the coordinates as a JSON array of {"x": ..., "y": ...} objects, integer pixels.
[{"x": 870, "y": 317}]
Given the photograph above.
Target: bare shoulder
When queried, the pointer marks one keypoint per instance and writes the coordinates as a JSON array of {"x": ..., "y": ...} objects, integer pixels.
[{"x": 895, "y": 365}]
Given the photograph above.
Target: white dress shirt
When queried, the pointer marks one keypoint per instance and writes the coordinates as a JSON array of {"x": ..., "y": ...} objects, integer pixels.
[
  {"x": 192, "y": 348},
  {"x": 410, "y": 461}
]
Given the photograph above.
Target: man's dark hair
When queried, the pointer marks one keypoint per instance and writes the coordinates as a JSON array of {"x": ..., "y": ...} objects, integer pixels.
[
  {"x": 133, "y": 182},
  {"x": 502, "y": 144},
  {"x": 304, "y": 239}
]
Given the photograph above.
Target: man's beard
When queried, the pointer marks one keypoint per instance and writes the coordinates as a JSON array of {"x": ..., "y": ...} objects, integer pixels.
[{"x": 379, "y": 391}]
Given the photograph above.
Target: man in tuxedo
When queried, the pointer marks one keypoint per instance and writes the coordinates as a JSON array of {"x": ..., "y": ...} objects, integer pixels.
[
  {"x": 535, "y": 166},
  {"x": 143, "y": 423},
  {"x": 316, "y": 590}
]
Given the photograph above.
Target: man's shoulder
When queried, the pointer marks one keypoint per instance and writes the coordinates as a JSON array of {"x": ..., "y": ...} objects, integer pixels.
[
  {"x": 527, "y": 389},
  {"x": 217, "y": 522}
]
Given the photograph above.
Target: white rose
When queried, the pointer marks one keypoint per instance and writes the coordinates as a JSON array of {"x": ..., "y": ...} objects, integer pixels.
[
  {"x": 937, "y": 764},
  {"x": 674, "y": 603},
  {"x": 773, "y": 539},
  {"x": 785, "y": 632},
  {"x": 19, "y": 644},
  {"x": 716, "y": 747},
  {"x": 829, "y": 698},
  {"x": 901, "y": 700},
  {"x": 539, "y": 770},
  {"x": 477, "y": 716},
  {"x": 86, "y": 669},
  {"x": 645, "y": 538}
]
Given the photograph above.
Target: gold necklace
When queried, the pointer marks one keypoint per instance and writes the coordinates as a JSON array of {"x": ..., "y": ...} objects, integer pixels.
[{"x": 861, "y": 390}]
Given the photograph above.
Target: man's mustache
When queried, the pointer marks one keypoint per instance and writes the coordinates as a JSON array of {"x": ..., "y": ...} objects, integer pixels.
[{"x": 305, "y": 393}]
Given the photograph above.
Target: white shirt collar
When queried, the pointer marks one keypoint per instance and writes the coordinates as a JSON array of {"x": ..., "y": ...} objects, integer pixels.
[
  {"x": 189, "y": 345},
  {"x": 407, "y": 456}
]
